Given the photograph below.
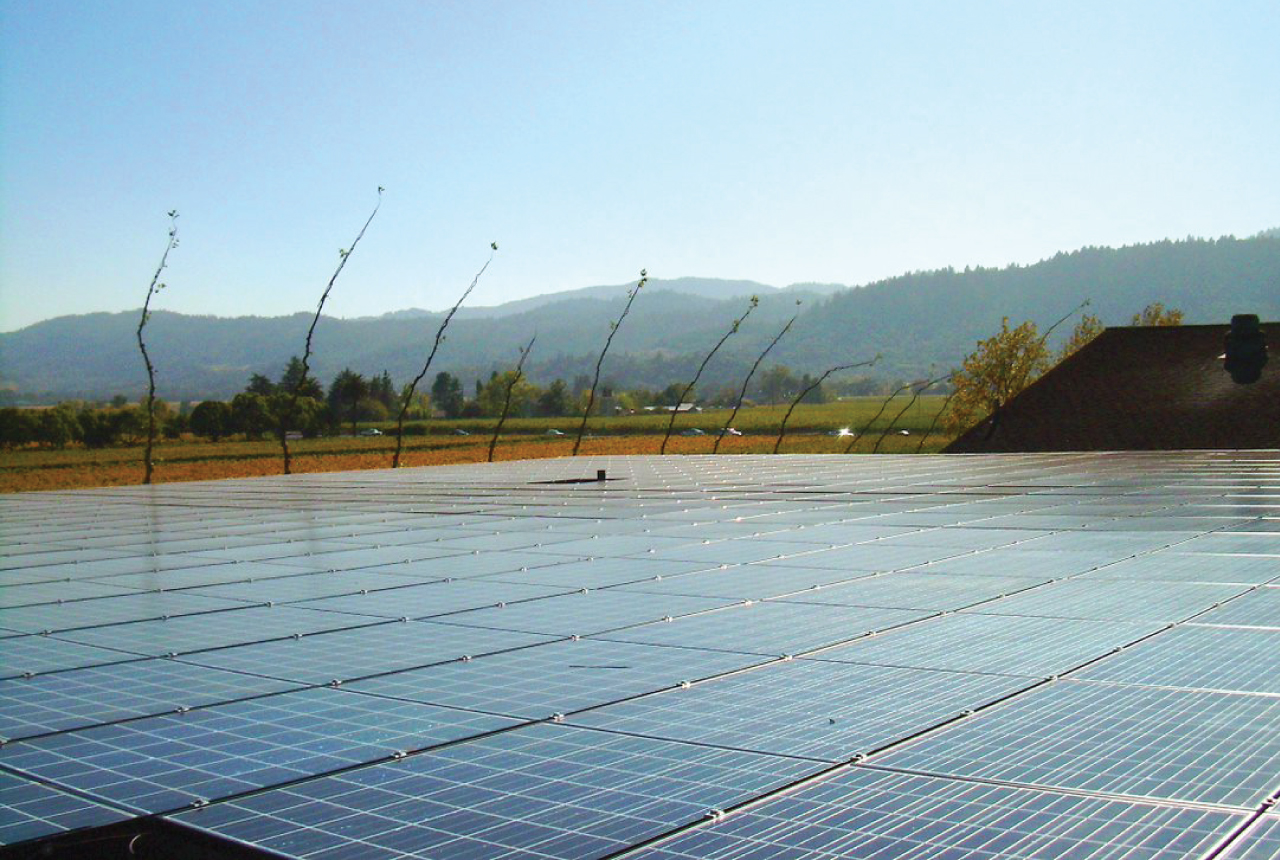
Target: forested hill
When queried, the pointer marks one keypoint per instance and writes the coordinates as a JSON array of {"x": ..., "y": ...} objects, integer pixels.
[{"x": 921, "y": 323}]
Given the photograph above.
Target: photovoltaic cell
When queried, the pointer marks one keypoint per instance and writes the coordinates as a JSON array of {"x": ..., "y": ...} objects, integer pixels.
[
  {"x": 1260, "y": 842},
  {"x": 1110, "y": 600},
  {"x": 581, "y": 614},
  {"x": 1011, "y": 645},
  {"x": 33, "y": 654},
  {"x": 1191, "y": 567},
  {"x": 828, "y": 711},
  {"x": 746, "y": 582},
  {"x": 915, "y": 590},
  {"x": 542, "y": 791},
  {"x": 100, "y": 694},
  {"x": 431, "y": 600},
  {"x": 1017, "y": 561},
  {"x": 189, "y": 633},
  {"x": 166, "y": 762},
  {"x": 769, "y": 628},
  {"x": 561, "y": 677},
  {"x": 1233, "y": 659},
  {"x": 865, "y": 813},
  {"x": 30, "y": 810},
  {"x": 599, "y": 572},
  {"x": 1260, "y": 608},
  {"x": 52, "y": 592},
  {"x": 1141, "y": 741},
  {"x": 342, "y": 655},
  {"x": 109, "y": 610}
]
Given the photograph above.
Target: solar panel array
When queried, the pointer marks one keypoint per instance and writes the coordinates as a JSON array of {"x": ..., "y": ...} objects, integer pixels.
[{"x": 701, "y": 657}]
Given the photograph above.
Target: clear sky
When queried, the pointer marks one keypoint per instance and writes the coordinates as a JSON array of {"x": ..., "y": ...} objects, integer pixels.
[{"x": 781, "y": 142}]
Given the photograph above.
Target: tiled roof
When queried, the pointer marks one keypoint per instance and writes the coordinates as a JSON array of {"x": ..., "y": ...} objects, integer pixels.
[{"x": 1140, "y": 388}]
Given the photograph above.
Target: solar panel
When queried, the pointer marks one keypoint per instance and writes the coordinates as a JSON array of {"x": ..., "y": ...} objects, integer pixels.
[
  {"x": 767, "y": 628},
  {"x": 33, "y": 655},
  {"x": 586, "y": 612},
  {"x": 109, "y": 610},
  {"x": 430, "y": 600},
  {"x": 599, "y": 572},
  {"x": 915, "y": 590},
  {"x": 61, "y": 701},
  {"x": 187, "y": 633},
  {"x": 535, "y": 683},
  {"x": 1112, "y": 600},
  {"x": 867, "y": 813},
  {"x": 745, "y": 581},
  {"x": 807, "y": 708},
  {"x": 546, "y": 710},
  {"x": 541, "y": 791},
  {"x": 1260, "y": 842},
  {"x": 1233, "y": 659},
  {"x": 30, "y": 810},
  {"x": 169, "y": 761},
  {"x": 1009, "y": 645},
  {"x": 1191, "y": 567},
  {"x": 1140, "y": 741},
  {"x": 343, "y": 655},
  {"x": 1260, "y": 608}
]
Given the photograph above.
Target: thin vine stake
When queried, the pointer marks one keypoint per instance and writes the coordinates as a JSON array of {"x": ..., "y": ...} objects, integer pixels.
[
  {"x": 154, "y": 287},
  {"x": 733, "y": 329},
  {"x": 937, "y": 417},
  {"x": 286, "y": 418},
  {"x": 413, "y": 386},
  {"x": 715, "y": 449},
  {"x": 903, "y": 411},
  {"x": 511, "y": 387},
  {"x": 613, "y": 329},
  {"x": 883, "y": 407},
  {"x": 803, "y": 394}
]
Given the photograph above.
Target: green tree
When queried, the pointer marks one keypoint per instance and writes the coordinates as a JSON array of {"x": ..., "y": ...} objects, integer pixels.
[
  {"x": 17, "y": 427},
  {"x": 495, "y": 394},
  {"x": 446, "y": 394},
  {"x": 346, "y": 391},
  {"x": 56, "y": 427},
  {"x": 295, "y": 379},
  {"x": 994, "y": 373},
  {"x": 778, "y": 383},
  {"x": 211, "y": 419},
  {"x": 383, "y": 390},
  {"x": 555, "y": 400},
  {"x": 260, "y": 385},
  {"x": 251, "y": 415}
]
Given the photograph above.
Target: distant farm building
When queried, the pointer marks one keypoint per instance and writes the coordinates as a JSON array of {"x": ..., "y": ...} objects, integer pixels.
[{"x": 1139, "y": 388}]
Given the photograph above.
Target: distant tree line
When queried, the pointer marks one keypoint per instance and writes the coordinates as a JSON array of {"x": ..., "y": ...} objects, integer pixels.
[{"x": 353, "y": 398}]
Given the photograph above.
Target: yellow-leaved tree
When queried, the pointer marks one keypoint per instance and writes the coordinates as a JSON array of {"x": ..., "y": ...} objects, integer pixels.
[
  {"x": 1155, "y": 314},
  {"x": 995, "y": 372}
]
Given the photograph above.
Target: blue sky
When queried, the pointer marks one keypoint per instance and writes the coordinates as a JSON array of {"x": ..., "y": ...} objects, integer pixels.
[{"x": 833, "y": 142}]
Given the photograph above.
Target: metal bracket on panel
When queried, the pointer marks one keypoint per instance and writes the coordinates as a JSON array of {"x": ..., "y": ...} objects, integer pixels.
[
  {"x": 684, "y": 685},
  {"x": 335, "y": 683},
  {"x": 557, "y": 717},
  {"x": 465, "y": 658},
  {"x": 857, "y": 757},
  {"x": 181, "y": 709},
  {"x": 715, "y": 814}
]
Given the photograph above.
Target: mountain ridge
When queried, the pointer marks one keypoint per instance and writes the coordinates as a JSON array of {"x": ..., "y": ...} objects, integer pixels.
[{"x": 921, "y": 323}]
